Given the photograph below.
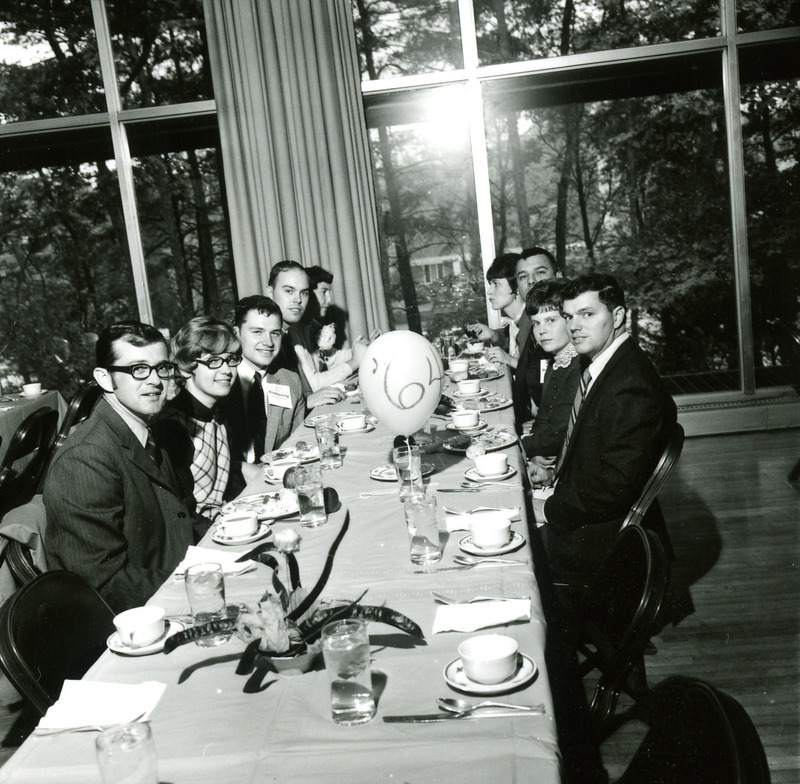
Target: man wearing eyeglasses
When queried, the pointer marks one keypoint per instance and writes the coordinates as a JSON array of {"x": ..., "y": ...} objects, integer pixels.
[{"x": 116, "y": 514}]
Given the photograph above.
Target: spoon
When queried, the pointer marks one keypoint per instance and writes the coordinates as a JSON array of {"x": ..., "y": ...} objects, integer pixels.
[
  {"x": 482, "y": 509},
  {"x": 479, "y": 485},
  {"x": 454, "y": 705},
  {"x": 467, "y": 561}
]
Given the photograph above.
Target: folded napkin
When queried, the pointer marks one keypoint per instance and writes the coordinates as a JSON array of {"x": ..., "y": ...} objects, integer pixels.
[
  {"x": 478, "y": 615},
  {"x": 94, "y": 704},
  {"x": 460, "y": 522},
  {"x": 225, "y": 558}
]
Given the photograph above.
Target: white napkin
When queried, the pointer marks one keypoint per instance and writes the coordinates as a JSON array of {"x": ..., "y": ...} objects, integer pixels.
[
  {"x": 479, "y": 615},
  {"x": 95, "y": 704},
  {"x": 225, "y": 558},
  {"x": 460, "y": 522}
]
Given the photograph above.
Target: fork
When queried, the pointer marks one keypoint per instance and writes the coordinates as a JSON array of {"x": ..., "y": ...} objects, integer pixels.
[{"x": 440, "y": 597}]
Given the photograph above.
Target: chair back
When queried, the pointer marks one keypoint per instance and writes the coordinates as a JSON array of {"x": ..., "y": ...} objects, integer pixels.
[
  {"x": 669, "y": 457},
  {"x": 22, "y": 532},
  {"x": 618, "y": 610},
  {"x": 697, "y": 735},
  {"x": 27, "y": 457},
  {"x": 52, "y": 629},
  {"x": 79, "y": 408}
]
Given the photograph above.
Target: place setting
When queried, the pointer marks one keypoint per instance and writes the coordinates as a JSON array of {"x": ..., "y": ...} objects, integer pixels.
[
  {"x": 490, "y": 467},
  {"x": 489, "y": 664},
  {"x": 141, "y": 631},
  {"x": 239, "y": 528}
]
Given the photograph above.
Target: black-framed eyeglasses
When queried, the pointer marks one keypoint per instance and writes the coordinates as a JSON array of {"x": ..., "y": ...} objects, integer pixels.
[
  {"x": 216, "y": 362},
  {"x": 141, "y": 372}
]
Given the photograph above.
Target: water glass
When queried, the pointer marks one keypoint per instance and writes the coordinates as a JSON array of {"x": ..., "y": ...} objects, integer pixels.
[
  {"x": 310, "y": 496},
  {"x": 205, "y": 587},
  {"x": 422, "y": 521},
  {"x": 127, "y": 753},
  {"x": 345, "y": 648},
  {"x": 327, "y": 432},
  {"x": 408, "y": 465}
]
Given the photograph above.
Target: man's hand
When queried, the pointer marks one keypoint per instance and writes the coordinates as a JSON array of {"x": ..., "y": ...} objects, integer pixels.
[
  {"x": 325, "y": 396},
  {"x": 495, "y": 354},
  {"x": 540, "y": 475},
  {"x": 480, "y": 331}
]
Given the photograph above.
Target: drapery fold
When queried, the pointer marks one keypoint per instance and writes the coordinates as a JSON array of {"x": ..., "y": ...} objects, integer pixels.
[{"x": 294, "y": 146}]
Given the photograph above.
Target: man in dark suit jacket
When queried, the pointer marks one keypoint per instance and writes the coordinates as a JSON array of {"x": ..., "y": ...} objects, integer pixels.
[
  {"x": 115, "y": 512},
  {"x": 618, "y": 435},
  {"x": 260, "y": 423}
]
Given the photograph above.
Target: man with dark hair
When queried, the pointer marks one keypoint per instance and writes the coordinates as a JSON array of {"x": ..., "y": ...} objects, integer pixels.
[
  {"x": 622, "y": 417},
  {"x": 116, "y": 514},
  {"x": 266, "y": 403}
]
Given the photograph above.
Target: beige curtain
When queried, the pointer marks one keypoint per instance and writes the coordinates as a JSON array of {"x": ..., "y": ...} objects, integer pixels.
[{"x": 295, "y": 148}]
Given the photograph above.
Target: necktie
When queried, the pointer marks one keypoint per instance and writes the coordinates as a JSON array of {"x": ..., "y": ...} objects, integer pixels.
[
  {"x": 152, "y": 449},
  {"x": 257, "y": 415},
  {"x": 576, "y": 406}
]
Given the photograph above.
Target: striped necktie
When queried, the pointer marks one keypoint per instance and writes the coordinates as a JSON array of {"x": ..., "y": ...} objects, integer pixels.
[
  {"x": 586, "y": 378},
  {"x": 152, "y": 448}
]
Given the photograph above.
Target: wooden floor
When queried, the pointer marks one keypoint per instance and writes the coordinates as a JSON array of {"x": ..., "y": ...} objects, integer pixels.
[{"x": 735, "y": 525}]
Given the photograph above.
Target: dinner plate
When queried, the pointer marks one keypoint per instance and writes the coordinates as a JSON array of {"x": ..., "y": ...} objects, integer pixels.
[
  {"x": 307, "y": 455},
  {"x": 457, "y": 679},
  {"x": 468, "y": 546},
  {"x": 473, "y": 475},
  {"x": 268, "y": 506},
  {"x": 482, "y": 425},
  {"x": 114, "y": 643},
  {"x": 220, "y": 538},
  {"x": 479, "y": 395},
  {"x": 387, "y": 472},
  {"x": 311, "y": 421},
  {"x": 494, "y": 403},
  {"x": 491, "y": 440}
]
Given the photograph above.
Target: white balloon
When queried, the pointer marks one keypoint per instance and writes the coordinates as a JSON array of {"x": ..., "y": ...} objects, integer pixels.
[{"x": 400, "y": 376}]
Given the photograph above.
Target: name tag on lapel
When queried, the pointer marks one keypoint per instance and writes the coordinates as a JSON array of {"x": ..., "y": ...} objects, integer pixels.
[
  {"x": 279, "y": 395},
  {"x": 543, "y": 364}
]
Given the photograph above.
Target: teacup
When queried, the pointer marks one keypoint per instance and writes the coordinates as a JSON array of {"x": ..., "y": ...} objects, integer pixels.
[
  {"x": 489, "y": 529},
  {"x": 475, "y": 347},
  {"x": 469, "y": 386},
  {"x": 277, "y": 468},
  {"x": 491, "y": 464},
  {"x": 32, "y": 389},
  {"x": 465, "y": 418},
  {"x": 353, "y": 422},
  {"x": 459, "y": 365},
  {"x": 238, "y": 524},
  {"x": 489, "y": 658},
  {"x": 140, "y": 626}
]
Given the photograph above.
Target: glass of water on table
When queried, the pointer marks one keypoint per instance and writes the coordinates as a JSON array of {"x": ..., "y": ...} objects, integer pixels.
[
  {"x": 408, "y": 465},
  {"x": 205, "y": 587},
  {"x": 310, "y": 496},
  {"x": 345, "y": 648},
  {"x": 422, "y": 520}
]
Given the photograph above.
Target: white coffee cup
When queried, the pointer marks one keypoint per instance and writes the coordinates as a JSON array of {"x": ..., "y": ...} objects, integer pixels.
[
  {"x": 489, "y": 529},
  {"x": 465, "y": 419},
  {"x": 489, "y": 658},
  {"x": 491, "y": 464},
  {"x": 469, "y": 386},
  {"x": 32, "y": 389},
  {"x": 353, "y": 422},
  {"x": 459, "y": 365},
  {"x": 277, "y": 468},
  {"x": 239, "y": 524},
  {"x": 475, "y": 347},
  {"x": 140, "y": 626}
]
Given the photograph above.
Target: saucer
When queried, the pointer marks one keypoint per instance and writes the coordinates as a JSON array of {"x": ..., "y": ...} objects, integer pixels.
[
  {"x": 368, "y": 428},
  {"x": 473, "y": 475},
  {"x": 457, "y": 679},
  {"x": 481, "y": 393},
  {"x": 38, "y": 394},
  {"x": 516, "y": 541},
  {"x": 388, "y": 473},
  {"x": 221, "y": 538},
  {"x": 482, "y": 425},
  {"x": 115, "y": 644}
]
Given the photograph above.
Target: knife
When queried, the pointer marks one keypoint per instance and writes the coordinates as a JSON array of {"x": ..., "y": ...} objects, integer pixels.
[{"x": 429, "y": 718}]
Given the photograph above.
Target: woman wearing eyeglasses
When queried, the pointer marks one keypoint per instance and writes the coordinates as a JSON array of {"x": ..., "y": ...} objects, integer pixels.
[{"x": 190, "y": 428}]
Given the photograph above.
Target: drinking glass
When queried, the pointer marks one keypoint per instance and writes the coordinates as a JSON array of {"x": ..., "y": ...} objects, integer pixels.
[
  {"x": 205, "y": 587},
  {"x": 327, "y": 432},
  {"x": 422, "y": 521},
  {"x": 310, "y": 496},
  {"x": 408, "y": 465},
  {"x": 127, "y": 753},
  {"x": 345, "y": 648}
]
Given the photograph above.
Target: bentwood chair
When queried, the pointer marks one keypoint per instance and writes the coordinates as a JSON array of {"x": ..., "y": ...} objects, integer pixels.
[
  {"x": 669, "y": 457},
  {"x": 696, "y": 735},
  {"x": 79, "y": 408},
  {"x": 27, "y": 457},
  {"x": 51, "y": 630},
  {"x": 616, "y": 614}
]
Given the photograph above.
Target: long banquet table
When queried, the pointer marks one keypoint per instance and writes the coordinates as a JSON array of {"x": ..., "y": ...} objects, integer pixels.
[{"x": 207, "y": 730}]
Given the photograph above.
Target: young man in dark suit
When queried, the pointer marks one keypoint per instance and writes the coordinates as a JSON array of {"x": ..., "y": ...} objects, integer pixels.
[
  {"x": 623, "y": 418},
  {"x": 116, "y": 514}
]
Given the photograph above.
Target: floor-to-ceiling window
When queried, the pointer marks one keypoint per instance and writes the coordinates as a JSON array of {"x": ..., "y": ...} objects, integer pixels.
[
  {"x": 658, "y": 141},
  {"x": 111, "y": 196}
]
